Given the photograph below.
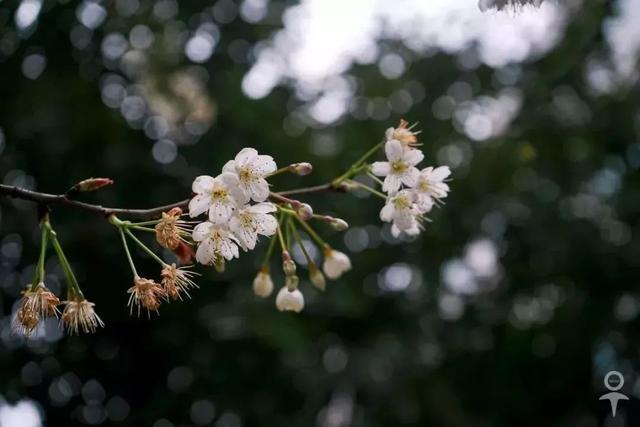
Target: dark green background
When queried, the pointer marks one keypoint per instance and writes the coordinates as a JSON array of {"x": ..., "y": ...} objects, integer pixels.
[{"x": 390, "y": 357}]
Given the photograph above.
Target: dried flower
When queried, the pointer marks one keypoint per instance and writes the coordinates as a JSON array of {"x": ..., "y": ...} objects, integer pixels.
[
  {"x": 145, "y": 293},
  {"x": 289, "y": 300},
  {"x": 177, "y": 281},
  {"x": 335, "y": 263},
  {"x": 79, "y": 315},
  {"x": 170, "y": 229},
  {"x": 263, "y": 284},
  {"x": 404, "y": 134}
]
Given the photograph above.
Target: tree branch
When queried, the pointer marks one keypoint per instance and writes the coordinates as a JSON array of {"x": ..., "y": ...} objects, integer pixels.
[{"x": 47, "y": 200}]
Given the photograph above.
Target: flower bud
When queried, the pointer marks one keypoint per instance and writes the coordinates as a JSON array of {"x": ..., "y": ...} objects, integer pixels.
[
  {"x": 291, "y": 282},
  {"x": 91, "y": 184},
  {"x": 301, "y": 169},
  {"x": 317, "y": 278},
  {"x": 288, "y": 266},
  {"x": 289, "y": 300},
  {"x": 305, "y": 211},
  {"x": 262, "y": 284},
  {"x": 338, "y": 224},
  {"x": 335, "y": 263}
]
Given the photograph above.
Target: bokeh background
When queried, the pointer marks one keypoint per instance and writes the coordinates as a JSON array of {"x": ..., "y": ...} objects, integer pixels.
[{"x": 508, "y": 311}]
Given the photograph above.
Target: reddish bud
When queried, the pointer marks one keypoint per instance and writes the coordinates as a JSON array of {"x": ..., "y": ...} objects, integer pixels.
[{"x": 92, "y": 184}]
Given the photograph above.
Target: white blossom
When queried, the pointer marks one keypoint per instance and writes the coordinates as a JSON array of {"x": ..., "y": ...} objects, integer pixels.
[
  {"x": 214, "y": 241},
  {"x": 431, "y": 186},
  {"x": 290, "y": 300},
  {"x": 402, "y": 211},
  {"x": 219, "y": 196},
  {"x": 335, "y": 263},
  {"x": 251, "y": 169},
  {"x": 400, "y": 168},
  {"x": 252, "y": 220}
]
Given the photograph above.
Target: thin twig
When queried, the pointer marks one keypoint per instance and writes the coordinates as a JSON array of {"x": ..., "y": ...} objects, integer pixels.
[{"x": 48, "y": 199}]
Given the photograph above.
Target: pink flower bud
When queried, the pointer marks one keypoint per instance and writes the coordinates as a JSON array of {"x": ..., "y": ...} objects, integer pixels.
[
  {"x": 92, "y": 184},
  {"x": 301, "y": 169}
]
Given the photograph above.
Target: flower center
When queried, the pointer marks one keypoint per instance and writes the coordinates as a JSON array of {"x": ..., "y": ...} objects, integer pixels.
[
  {"x": 219, "y": 193},
  {"x": 423, "y": 186},
  {"x": 245, "y": 174},
  {"x": 399, "y": 167},
  {"x": 401, "y": 203}
]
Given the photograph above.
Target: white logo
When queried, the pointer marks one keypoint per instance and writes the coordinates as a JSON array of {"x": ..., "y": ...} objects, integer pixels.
[{"x": 614, "y": 396}]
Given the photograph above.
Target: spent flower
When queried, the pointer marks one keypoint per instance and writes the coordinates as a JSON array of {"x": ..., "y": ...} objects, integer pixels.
[{"x": 79, "y": 315}]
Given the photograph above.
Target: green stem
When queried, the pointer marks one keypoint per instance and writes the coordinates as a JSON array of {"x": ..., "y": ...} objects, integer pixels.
[
  {"x": 74, "y": 290},
  {"x": 312, "y": 232},
  {"x": 272, "y": 244},
  {"x": 357, "y": 166},
  {"x": 279, "y": 171},
  {"x": 375, "y": 178},
  {"x": 152, "y": 222},
  {"x": 39, "y": 274},
  {"x": 126, "y": 250},
  {"x": 135, "y": 227},
  {"x": 298, "y": 240},
  {"x": 282, "y": 242},
  {"x": 144, "y": 247},
  {"x": 369, "y": 189}
]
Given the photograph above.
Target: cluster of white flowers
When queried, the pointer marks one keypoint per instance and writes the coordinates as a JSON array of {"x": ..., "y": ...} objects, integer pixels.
[
  {"x": 233, "y": 221},
  {"x": 411, "y": 192}
]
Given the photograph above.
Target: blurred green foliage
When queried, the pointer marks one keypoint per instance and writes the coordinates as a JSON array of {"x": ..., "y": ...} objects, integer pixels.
[{"x": 555, "y": 198}]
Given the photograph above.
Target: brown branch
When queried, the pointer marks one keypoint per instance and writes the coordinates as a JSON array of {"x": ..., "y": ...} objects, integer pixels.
[{"x": 47, "y": 200}]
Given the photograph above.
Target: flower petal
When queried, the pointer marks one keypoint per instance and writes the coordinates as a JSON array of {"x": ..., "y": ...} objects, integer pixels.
[
  {"x": 413, "y": 157},
  {"x": 440, "y": 173},
  {"x": 264, "y": 165},
  {"x": 201, "y": 231},
  {"x": 259, "y": 190},
  {"x": 202, "y": 184},
  {"x": 245, "y": 156},
  {"x": 199, "y": 205},
  {"x": 381, "y": 168},
  {"x": 267, "y": 225},
  {"x": 230, "y": 167},
  {"x": 393, "y": 149},
  {"x": 410, "y": 177},
  {"x": 386, "y": 213},
  {"x": 391, "y": 184},
  {"x": 262, "y": 208},
  {"x": 206, "y": 253},
  {"x": 220, "y": 212}
]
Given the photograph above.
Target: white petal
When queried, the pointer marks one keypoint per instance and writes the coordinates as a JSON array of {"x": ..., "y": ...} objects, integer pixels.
[
  {"x": 393, "y": 149},
  {"x": 205, "y": 253},
  {"x": 202, "y": 184},
  {"x": 386, "y": 213},
  {"x": 199, "y": 205},
  {"x": 410, "y": 177},
  {"x": 265, "y": 165},
  {"x": 424, "y": 203},
  {"x": 441, "y": 173},
  {"x": 259, "y": 190},
  {"x": 245, "y": 156},
  {"x": 267, "y": 225},
  {"x": 239, "y": 195},
  {"x": 391, "y": 184},
  {"x": 201, "y": 231},
  {"x": 381, "y": 168},
  {"x": 230, "y": 166},
  {"x": 263, "y": 208},
  {"x": 220, "y": 212},
  {"x": 388, "y": 134},
  {"x": 229, "y": 179},
  {"x": 413, "y": 157},
  {"x": 395, "y": 231}
]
